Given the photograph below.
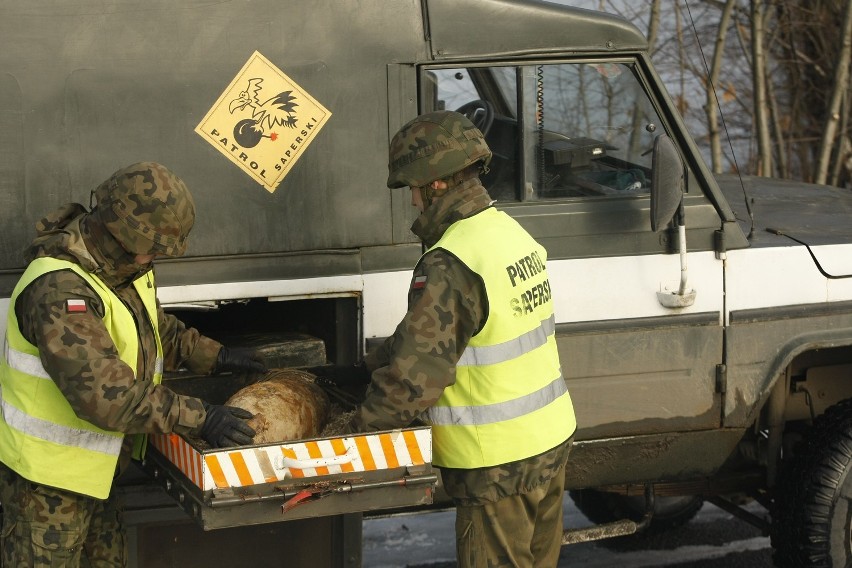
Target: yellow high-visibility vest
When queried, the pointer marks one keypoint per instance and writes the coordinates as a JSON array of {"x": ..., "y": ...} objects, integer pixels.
[
  {"x": 41, "y": 438},
  {"x": 509, "y": 401}
]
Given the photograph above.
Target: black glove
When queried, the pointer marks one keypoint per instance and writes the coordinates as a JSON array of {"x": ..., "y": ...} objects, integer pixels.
[
  {"x": 239, "y": 359},
  {"x": 342, "y": 374},
  {"x": 224, "y": 426}
]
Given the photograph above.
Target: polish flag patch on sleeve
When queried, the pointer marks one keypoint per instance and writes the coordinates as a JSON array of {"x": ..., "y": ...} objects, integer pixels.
[
  {"x": 76, "y": 306},
  {"x": 418, "y": 283}
]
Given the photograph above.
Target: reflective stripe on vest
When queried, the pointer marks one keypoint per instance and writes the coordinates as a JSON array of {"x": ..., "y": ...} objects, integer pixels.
[
  {"x": 31, "y": 364},
  {"x": 509, "y": 400},
  {"x": 492, "y": 354},
  {"x": 50, "y": 432},
  {"x": 24, "y": 362},
  {"x": 41, "y": 438},
  {"x": 499, "y": 411}
]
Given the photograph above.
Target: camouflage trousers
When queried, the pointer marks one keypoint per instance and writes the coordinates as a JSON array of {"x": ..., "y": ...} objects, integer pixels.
[
  {"x": 518, "y": 531},
  {"x": 521, "y": 530},
  {"x": 47, "y": 527}
]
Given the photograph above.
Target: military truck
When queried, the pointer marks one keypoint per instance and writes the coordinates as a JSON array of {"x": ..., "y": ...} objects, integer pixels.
[{"x": 704, "y": 322}]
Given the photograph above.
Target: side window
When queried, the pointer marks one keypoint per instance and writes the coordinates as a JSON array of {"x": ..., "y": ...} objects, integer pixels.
[
  {"x": 452, "y": 88},
  {"x": 585, "y": 130}
]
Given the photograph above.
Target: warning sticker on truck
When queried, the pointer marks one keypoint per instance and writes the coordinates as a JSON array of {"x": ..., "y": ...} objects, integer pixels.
[{"x": 263, "y": 122}]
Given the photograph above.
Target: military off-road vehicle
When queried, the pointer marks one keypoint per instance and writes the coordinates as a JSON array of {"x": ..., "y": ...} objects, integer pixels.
[{"x": 704, "y": 322}]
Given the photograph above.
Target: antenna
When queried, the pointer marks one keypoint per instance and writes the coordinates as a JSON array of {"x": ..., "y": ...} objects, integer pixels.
[{"x": 724, "y": 123}]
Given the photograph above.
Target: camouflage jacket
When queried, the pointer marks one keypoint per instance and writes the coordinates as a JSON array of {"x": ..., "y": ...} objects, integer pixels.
[
  {"x": 77, "y": 350},
  {"x": 447, "y": 305}
]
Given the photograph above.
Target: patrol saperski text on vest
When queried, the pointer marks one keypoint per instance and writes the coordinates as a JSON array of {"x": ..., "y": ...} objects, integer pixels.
[{"x": 521, "y": 270}]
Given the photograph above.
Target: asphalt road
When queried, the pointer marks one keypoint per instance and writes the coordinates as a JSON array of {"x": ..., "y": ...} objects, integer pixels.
[{"x": 713, "y": 539}]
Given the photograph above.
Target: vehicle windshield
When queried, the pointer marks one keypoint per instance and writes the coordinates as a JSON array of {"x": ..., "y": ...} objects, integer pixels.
[{"x": 583, "y": 129}]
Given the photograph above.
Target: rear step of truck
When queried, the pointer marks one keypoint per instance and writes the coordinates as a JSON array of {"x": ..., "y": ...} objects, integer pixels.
[{"x": 622, "y": 527}]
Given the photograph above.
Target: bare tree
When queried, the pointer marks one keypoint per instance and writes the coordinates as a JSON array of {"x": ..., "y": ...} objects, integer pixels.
[
  {"x": 713, "y": 105},
  {"x": 761, "y": 109},
  {"x": 780, "y": 71},
  {"x": 841, "y": 87},
  {"x": 654, "y": 24}
]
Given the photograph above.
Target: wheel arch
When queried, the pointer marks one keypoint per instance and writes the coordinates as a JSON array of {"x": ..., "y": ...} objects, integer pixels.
[{"x": 791, "y": 358}]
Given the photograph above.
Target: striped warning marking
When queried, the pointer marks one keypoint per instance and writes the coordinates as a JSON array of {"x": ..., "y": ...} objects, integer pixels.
[
  {"x": 180, "y": 453},
  {"x": 313, "y": 458}
]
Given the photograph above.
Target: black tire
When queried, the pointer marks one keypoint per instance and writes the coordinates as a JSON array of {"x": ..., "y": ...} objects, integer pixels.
[
  {"x": 812, "y": 516},
  {"x": 669, "y": 512}
]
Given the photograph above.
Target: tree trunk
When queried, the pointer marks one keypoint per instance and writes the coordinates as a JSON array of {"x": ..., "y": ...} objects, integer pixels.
[
  {"x": 777, "y": 131},
  {"x": 841, "y": 83},
  {"x": 841, "y": 164},
  {"x": 681, "y": 61},
  {"x": 761, "y": 112},
  {"x": 653, "y": 25},
  {"x": 713, "y": 105}
]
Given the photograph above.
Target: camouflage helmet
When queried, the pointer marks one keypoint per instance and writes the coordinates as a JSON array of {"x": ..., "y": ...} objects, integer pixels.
[
  {"x": 147, "y": 208},
  {"x": 434, "y": 146}
]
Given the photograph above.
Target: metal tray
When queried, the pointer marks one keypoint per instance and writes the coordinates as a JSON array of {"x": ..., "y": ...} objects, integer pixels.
[{"x": 273, "y": 482}]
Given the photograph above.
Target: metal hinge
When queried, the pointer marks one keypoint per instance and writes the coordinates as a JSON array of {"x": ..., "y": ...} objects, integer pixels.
[
  {"x": 719, "y": 245},
  {"x": 721, "y": 378}
]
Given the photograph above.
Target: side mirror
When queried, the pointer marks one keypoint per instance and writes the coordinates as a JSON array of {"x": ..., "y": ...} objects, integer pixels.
[
  {"x": 666, "y": 201},
  {"x": 666, "y": 182}
]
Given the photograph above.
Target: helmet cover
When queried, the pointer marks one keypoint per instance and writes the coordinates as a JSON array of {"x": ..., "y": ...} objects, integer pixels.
[
  {"x": 434, "y": 146},
  {"x": 147, "y": 208}
]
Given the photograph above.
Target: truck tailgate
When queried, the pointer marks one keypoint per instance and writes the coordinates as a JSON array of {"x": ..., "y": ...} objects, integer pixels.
[{"x": 307, "y": 478}]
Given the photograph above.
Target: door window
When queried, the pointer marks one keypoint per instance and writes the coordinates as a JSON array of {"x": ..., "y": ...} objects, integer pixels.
[{"x": 557, "y": 131}]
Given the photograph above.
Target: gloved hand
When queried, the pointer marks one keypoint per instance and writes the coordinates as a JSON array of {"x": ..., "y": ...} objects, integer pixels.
[
  {"x": 225, "y": 426},
  {"x": 342, "y": 374},
  {"x": 238, "y": 359}
]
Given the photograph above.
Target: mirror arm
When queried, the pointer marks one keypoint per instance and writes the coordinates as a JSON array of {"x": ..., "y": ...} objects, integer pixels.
[
  {"x": 681, "y": 235},
  {"x": 683, "y": 297},
  {"x": 667, "y": 180}
]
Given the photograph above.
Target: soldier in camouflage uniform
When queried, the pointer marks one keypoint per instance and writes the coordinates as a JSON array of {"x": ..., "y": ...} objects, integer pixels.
[
  {"x": 63, "y": 325},
  {"x": 504, "y": 470}
]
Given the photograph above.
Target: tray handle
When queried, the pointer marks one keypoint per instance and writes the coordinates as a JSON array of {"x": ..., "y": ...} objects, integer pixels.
[{"x": 284, "y": 462}]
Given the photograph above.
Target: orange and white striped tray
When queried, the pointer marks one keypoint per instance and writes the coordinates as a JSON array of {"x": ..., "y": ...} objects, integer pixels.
[{"x": 253, "y": 465}]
